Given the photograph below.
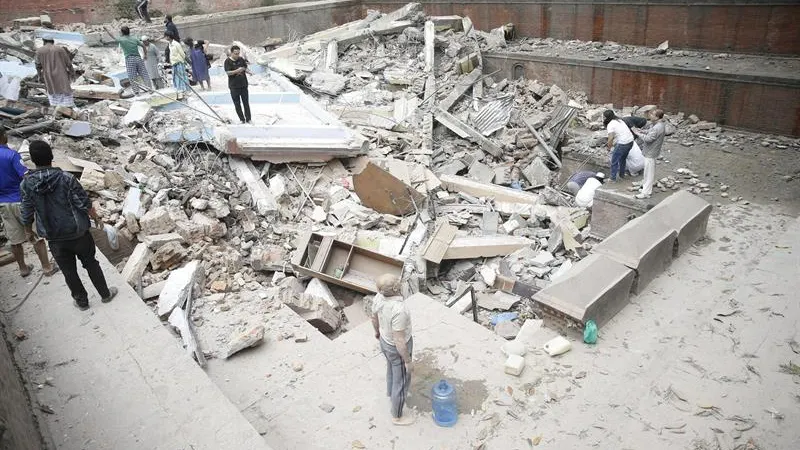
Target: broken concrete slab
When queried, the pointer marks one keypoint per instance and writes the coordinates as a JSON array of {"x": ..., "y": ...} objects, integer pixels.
[
  {"x": 461, "y": 87},
  {"x": 685, "y": 213},
  {"x": 327, "y": 82},
  {"x": 438, "y": 242},
  {"x": 153, "y": 290},
  {"x": 250, "y": 338},
  {"x": 157, "y": 221},
  {"x": 139, "y": 113},
  {"x": 484, "y": 246},
  {"x": 455, "y": 183},
  {"x": 481, "y": 172},
  {"x": 314, "y": 310},
  {"x": 180, "y": 285},
  {"x": 463, "y": 130},
  {"x": 644, "y": 244},
  {"x": 262, "y": 199},
  {"x": 537, "y": 173},
  {"x": 76, "y": 128},
  {"x": 168, "y": 256},
  {"x": 156, "y": 241},
  {"x": 318, "y": 288},
  {"x": 136, "y": 264},
  {"x": 93, "y": 180},
  {"x": 596, "y": 288},
  {"x": 543, "y": 259},
  {"x": 385, "y": 193},
  {"x": 97, "y": 92},
  {"x": 499, "y": 300}
]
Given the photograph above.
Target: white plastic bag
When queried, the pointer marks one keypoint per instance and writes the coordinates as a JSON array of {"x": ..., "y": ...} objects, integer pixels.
[{"x": 111, "y": 233}]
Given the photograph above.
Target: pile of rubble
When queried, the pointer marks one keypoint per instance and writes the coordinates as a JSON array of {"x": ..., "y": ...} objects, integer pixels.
[{"x": 451, "y": 207}]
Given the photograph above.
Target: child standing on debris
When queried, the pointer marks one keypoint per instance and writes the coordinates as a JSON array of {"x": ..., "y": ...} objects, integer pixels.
[
  {"x": 177, "y": 58},
  {"x": 392, "y": 323},
  {"x": 62, "y": 210},
  {"x": 620, "y": 139},
  {"x": 200, "y": 65},
  {"x": 236, "y": 68},
  {"x": 652, "y": 140},
  {"x": 134, "y": 64},
  {"x": 54, "y": 66}
]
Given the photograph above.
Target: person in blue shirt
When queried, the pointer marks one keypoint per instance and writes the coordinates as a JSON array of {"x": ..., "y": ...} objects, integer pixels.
[{"x": 12, "y": 172}]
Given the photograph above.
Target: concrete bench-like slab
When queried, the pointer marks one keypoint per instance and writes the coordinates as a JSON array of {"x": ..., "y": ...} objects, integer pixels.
[
  {"x": 644, "y": 244},
  {"x": 613, "y": 209},
  {"x": 685, "y": 213},
  {"x": 596, "y": 288}
]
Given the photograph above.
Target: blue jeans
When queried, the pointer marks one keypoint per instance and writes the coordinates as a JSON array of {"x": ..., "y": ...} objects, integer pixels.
[{"x": 618, "y": 160}]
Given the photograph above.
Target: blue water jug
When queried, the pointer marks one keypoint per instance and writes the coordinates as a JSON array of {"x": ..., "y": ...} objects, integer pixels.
[{"x": 445, "y": 409}]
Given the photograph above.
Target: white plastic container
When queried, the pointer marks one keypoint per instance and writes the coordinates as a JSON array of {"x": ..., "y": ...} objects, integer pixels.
[{"x": 557, "y": 346}]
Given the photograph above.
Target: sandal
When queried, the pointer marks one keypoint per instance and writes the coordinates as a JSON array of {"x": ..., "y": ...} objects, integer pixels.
[
  {"x": 28, "y": 272},
  {"x": 52, "y": 271}
]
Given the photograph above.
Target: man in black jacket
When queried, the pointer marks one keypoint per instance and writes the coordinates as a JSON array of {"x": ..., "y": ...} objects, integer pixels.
[{"x": 62, "y": 210}]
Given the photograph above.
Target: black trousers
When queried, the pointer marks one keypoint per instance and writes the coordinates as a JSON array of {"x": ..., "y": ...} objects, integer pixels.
[
  {"x": 82, "y": 248},
  {"x": 141, "y": 10},
  {"x": 239, "y": 96}
]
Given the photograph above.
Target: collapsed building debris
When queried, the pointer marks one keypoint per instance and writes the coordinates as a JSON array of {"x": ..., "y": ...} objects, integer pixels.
[{"x": 380, "y": 146}]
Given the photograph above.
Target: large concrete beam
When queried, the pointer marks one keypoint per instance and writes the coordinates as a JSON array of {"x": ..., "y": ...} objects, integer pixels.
[
  {"x": 596, "y": 288},
  {"x": 685, "y": 213},
  {"x": 644, "y": 244}
]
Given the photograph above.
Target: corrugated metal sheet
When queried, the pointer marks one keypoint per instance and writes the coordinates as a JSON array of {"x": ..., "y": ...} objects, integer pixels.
[
  {"x": 493, "y": 116},
  {"x": 562, "y": 116}
]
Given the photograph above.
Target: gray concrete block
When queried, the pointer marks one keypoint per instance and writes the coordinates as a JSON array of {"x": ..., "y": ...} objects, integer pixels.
[
  {"x": 612, "y": 209},
  {"x": 644, "y": 244},
  {"x": 596, "y": 288},
  {"x": 685, "y": 213}
]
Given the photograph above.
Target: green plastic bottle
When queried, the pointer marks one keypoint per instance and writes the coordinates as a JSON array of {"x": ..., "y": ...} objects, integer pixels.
[{"x": 590, "y": 332}]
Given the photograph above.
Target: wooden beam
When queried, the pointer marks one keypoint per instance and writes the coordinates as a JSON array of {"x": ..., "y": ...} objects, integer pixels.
[{"x": 439, "y": 241}]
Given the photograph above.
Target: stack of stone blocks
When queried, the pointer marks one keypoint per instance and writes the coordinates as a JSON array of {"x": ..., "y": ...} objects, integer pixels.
[{"x": 600, "y": 285}]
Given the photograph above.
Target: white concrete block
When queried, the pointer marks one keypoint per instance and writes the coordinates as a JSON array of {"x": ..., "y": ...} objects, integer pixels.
[
  {"x": 514, "y": 365},
  {"x": 179, "y": 287},
  {"x": 320, "y": 289}
]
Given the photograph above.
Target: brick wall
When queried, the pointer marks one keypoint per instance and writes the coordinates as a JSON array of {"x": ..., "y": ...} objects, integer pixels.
[
  {"x": 766, "y": 104},
  {"x": 754, "y": 26}
]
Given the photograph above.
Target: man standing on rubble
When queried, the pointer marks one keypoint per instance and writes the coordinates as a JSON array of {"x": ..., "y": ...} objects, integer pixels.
[
  {"x": 62, "y": 210},
  {"x": 11, "y": 172},
  {"x": 54, "y": 66},
  {"x": 652, "y": 140},
  {"x": 177, "y": 58},
  {"x": 172, "y": 29},
  {"x": 620, "y": 141},
  {"x": 392, "y": 323},
  {"x": 236, "y": 68},
  {"x": 134, "y": 64},
  {"x": 151, "y": 62}
]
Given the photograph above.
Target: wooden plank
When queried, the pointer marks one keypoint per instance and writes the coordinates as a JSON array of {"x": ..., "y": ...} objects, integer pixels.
[
  {"x": 323, "y": 252},
  {"x": 430, "y": 36},
  {"x": 464, "y": 130},
  {"x": 484, "y": 246},
  {"x": 439, "y": 241},
  {"x": 455, "y": 183},
  {"x": 384, "y": 192}
]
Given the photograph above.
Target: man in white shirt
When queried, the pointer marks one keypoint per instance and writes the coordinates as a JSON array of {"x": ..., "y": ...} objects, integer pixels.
[{"x": 620, "y": 139}]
